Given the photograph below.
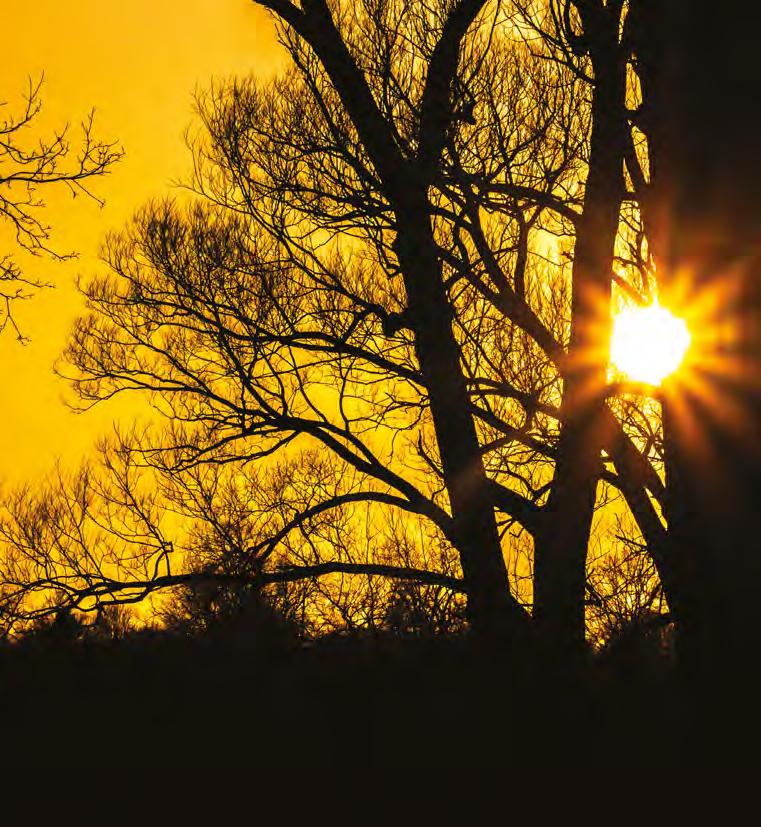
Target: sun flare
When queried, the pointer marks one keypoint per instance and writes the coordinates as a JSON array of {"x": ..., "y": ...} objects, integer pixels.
[{"x": 648, "y": 343}]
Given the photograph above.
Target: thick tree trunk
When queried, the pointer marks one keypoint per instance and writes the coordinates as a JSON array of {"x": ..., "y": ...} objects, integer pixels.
[
  {"x": 561, "y": 551},
  {"x": 701, "y": 119},
  {"x": 492, "y": 611}
]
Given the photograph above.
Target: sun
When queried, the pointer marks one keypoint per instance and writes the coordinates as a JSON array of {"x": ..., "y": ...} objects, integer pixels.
[{"x": 648, "y": 343}]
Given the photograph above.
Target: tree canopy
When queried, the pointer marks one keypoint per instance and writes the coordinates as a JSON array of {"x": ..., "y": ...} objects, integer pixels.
[{"x": 376, "y": 331}]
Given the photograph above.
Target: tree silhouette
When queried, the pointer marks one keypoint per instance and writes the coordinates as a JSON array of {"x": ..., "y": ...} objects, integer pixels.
[
  {"x": 699, "y": 200},
  {"x": 374, "y": 330},
  {"x": 28, "y": 167},
  {"x": 591, "y": 36},
  {"x": 400, "y": 262}
]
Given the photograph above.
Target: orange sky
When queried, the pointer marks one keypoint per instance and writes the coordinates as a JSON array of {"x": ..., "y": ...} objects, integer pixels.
[{"x": 137, "y": 62}]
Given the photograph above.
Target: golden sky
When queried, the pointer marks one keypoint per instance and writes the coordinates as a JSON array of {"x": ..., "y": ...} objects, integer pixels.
[{"x": 137, "y": 62}]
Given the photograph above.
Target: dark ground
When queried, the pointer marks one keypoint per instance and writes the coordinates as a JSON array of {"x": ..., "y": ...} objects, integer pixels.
[{"x": 161, "y": 700}]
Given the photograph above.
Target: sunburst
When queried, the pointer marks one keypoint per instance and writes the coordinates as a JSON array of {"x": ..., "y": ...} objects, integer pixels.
[{"x": 648, "y": 343}]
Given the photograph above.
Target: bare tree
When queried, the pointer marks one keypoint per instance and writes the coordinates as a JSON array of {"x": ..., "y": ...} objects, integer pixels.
[
  {"x": 230, "y": 548},
  {"x": 383, "y": 269},
  {"x": 299, "y": 290},
  {"x": 29, "y": 165}
]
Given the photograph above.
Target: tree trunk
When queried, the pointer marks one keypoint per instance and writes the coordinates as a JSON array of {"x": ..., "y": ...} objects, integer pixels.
[
  {"x": 492, "y": 611},
  {"x": 561, "y": 552},
  {"x": 701, "y": 119}
]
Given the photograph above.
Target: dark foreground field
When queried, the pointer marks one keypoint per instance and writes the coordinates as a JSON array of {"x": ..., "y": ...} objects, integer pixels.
[{"x": 392, "y": 703}]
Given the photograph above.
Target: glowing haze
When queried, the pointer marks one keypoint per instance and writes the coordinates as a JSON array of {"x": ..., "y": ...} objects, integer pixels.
[{"x": 648, "y": 343}]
